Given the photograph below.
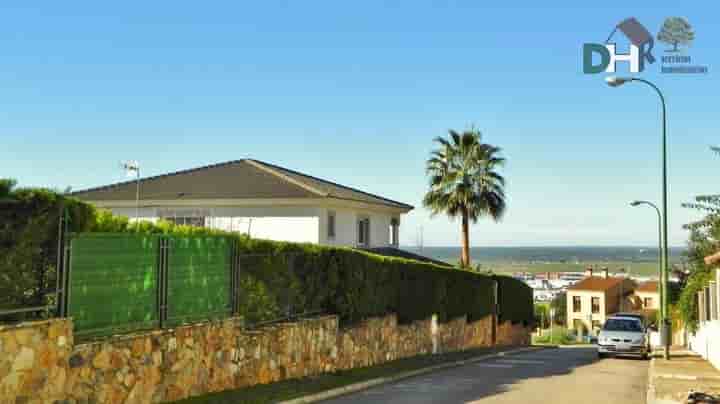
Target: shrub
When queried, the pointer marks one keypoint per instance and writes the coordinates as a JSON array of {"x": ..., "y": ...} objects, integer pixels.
[
  {"x": 29, "y": 241},
  {"x": 515, "y": 300}
]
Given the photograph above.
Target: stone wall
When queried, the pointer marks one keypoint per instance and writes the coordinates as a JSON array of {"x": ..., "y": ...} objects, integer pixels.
[
  {"x": 33, "y": 361},
  {"x": 39, "y": 362}
]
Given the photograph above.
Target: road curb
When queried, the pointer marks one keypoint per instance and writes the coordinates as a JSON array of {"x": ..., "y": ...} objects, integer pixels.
[
  {"x": 355, "y": 387},
  {"x": 650, "y": 393}
]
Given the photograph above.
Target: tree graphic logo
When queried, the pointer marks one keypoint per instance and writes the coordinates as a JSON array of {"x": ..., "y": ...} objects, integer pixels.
[{"x": 676, "y": 31}]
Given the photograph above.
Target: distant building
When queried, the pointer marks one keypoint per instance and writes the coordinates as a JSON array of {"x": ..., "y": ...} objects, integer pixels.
[
  {"x": 594, "y": 298},
  {"x": 647, "y": 296}
]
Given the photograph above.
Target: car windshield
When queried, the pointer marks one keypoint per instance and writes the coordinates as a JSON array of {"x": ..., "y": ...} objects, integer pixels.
[{"x": 616, "y": 324}]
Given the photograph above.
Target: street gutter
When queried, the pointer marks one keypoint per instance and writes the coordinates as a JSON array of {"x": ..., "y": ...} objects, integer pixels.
[{"x": 355, "y": 387}]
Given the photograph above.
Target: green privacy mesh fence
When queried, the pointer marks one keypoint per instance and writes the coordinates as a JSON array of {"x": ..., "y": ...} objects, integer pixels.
[
  {"x": 199, "y": 271},
  {"x": 127, "y": 282},
  {"x": 113, "y": 283}
]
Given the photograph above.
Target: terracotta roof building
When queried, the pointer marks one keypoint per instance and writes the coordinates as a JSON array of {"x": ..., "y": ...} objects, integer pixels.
[{"x": 591, "y": 300}]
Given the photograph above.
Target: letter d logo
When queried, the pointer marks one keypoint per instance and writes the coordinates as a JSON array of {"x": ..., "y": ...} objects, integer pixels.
[{"x": 588, "y": 49}]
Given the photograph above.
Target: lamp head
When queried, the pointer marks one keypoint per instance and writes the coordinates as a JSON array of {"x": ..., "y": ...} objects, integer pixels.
[
  {"x": 614, "y": 81},
  {"x": 635, "y": 203}
]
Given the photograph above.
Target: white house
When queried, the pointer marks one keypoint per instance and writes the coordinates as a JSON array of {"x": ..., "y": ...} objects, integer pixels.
[{"x": 260, "y": 199}]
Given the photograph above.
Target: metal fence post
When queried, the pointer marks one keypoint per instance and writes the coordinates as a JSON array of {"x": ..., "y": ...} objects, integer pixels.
[
  {"x": 234, "y": 279},
  {"x": 59, "y": 271},
  {"x": 163, "y": 282},
  {"x": 67, "y": 276}
]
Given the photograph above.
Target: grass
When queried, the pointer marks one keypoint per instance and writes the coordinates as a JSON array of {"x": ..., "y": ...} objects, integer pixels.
[
  {"x": 293, "y": 388},
  {"x": 632, "y": 268},
  {"x": 560, "y": 336}
]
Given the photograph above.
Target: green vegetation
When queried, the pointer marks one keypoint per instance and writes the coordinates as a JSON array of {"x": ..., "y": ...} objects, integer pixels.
[
  {"x": 559, "y": 336},
  {"x": 352, "y": 284},
  {"x": 294, "y": 388},
  {"x": 28, "y": 242},
  {"x": 633, "y": 268},
  {"x": 703, "y": 242},
  {"x": 464, "y": 182}
]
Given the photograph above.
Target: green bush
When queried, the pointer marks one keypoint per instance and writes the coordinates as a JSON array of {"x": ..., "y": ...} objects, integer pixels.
[
  {"x": 559, "y": 335},
  {"x": 29, "y": 242},
  {"x": 515, "y": 300}
]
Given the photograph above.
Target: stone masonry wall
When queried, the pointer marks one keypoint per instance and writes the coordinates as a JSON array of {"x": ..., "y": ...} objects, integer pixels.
[
  {"x": 39, "y": 362},
  {"x": 33, "y": 361}
]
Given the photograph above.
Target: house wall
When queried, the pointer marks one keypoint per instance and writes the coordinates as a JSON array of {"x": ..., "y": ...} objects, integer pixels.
[
  {"x": 610, "y": 303},
  {"x": 653, "y": 295},
  {"x": 346, "y": 230},
  {"x": 304, "y": 224},
  {"x": 706, "y": 339},
  {"x": 282, "y": 223},
  {"x": 585, "y": 308}
]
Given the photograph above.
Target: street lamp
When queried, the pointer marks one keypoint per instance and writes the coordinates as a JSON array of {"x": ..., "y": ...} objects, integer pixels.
[
  {"x": 660, "y": 268},
  {"x": 613, "y": 81},
  {"x": 130, "y": 167}
]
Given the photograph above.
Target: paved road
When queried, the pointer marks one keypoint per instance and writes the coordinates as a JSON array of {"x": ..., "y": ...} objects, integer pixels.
[{"x": 550, "y": 376}]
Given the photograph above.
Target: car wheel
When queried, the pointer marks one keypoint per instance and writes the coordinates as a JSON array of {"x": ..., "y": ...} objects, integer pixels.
[
  {"x": 601, "y": 355},
  {"x": 645, "y": 356}
]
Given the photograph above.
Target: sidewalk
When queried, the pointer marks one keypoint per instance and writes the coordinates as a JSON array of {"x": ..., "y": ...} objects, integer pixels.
[{"x": 670, "y": 381}]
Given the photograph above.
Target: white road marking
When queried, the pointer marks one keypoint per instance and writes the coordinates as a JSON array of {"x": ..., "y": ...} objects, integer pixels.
[
  {"x": 521, "y": 362},
  {"x": 493, "y": 365}
]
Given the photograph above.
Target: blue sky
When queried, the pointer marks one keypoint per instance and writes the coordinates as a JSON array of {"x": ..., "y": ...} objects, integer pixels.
[{"x": 355, "y": 93}]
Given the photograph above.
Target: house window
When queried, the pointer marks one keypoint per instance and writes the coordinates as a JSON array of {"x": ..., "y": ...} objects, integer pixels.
[
  {"x": 331, "y": 225},
  {"x": 576, "y": 304},
  {"x": 185, "y": 217},
  {"x": 395, "y": 231},
  {"x": 647, "y": 302},
  {"x": 595, "y": 304},
  {"x": 187, "y": 221},
  {"x": 364, "y": 232}
]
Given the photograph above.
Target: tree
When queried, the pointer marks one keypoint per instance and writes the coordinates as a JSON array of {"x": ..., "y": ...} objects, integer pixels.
[
  {"x": 464, "y": 182},
  {"x": 674, "y": 31},
  {"x": 542, "y": 316},
  {"x": 704, "y": 240},
  {"x": 559, "y": 304}
]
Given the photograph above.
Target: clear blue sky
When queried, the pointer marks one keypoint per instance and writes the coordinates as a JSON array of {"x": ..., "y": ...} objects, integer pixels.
[{"x": 354, "y": 92}]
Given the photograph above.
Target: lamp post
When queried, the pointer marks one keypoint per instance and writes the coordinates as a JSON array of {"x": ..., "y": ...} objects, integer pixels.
[
  {"x": 129, "y": 167},
  {"x": 613, "y": 81},
  {"x": 660, "y": 268}
]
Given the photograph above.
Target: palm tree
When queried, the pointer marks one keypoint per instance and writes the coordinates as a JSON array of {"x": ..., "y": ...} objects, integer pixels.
[{"x": 464, "y": 182}]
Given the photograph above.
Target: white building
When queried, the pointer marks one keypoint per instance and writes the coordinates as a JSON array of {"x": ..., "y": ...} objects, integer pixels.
[{"x": 262, "y": 200}]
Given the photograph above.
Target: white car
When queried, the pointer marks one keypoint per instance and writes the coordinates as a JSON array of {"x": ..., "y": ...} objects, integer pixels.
[{"x": 623, "y": 335}]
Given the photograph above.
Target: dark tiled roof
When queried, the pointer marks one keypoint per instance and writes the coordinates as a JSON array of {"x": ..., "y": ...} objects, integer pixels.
[
  {"x": 396, "y": 252},
  {"x": 649, "y": 286},
  {"x": 239, "y": 179},
  {"x": 596, "y": 283}
]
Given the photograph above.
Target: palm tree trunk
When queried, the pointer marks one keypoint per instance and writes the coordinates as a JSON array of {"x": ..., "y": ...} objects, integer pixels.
[{"x": 465, "y": 259}]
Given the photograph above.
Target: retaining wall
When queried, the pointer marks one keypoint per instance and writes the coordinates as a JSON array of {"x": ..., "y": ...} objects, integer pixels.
[{"x": 40, "y": 363}]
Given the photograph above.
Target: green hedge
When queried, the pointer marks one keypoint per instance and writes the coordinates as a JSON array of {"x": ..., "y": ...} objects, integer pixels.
[
  {"x": 28, "y": 242},
  {"x": 351, "y": 283},
  {"x": 515, "y": 300}
]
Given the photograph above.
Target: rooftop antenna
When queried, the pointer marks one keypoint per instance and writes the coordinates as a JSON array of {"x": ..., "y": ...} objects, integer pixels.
[{"x": 132, "y": 167}]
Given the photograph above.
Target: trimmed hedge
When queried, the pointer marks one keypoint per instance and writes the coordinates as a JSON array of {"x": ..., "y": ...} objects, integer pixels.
[
  {"x": 28, "y": 243},
  {"x": 356, "y": 285},
  {"x": 515, "y": 300}
]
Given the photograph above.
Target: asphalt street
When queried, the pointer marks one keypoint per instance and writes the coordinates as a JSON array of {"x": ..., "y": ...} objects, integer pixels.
[{"x": 557, "y": 376}]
